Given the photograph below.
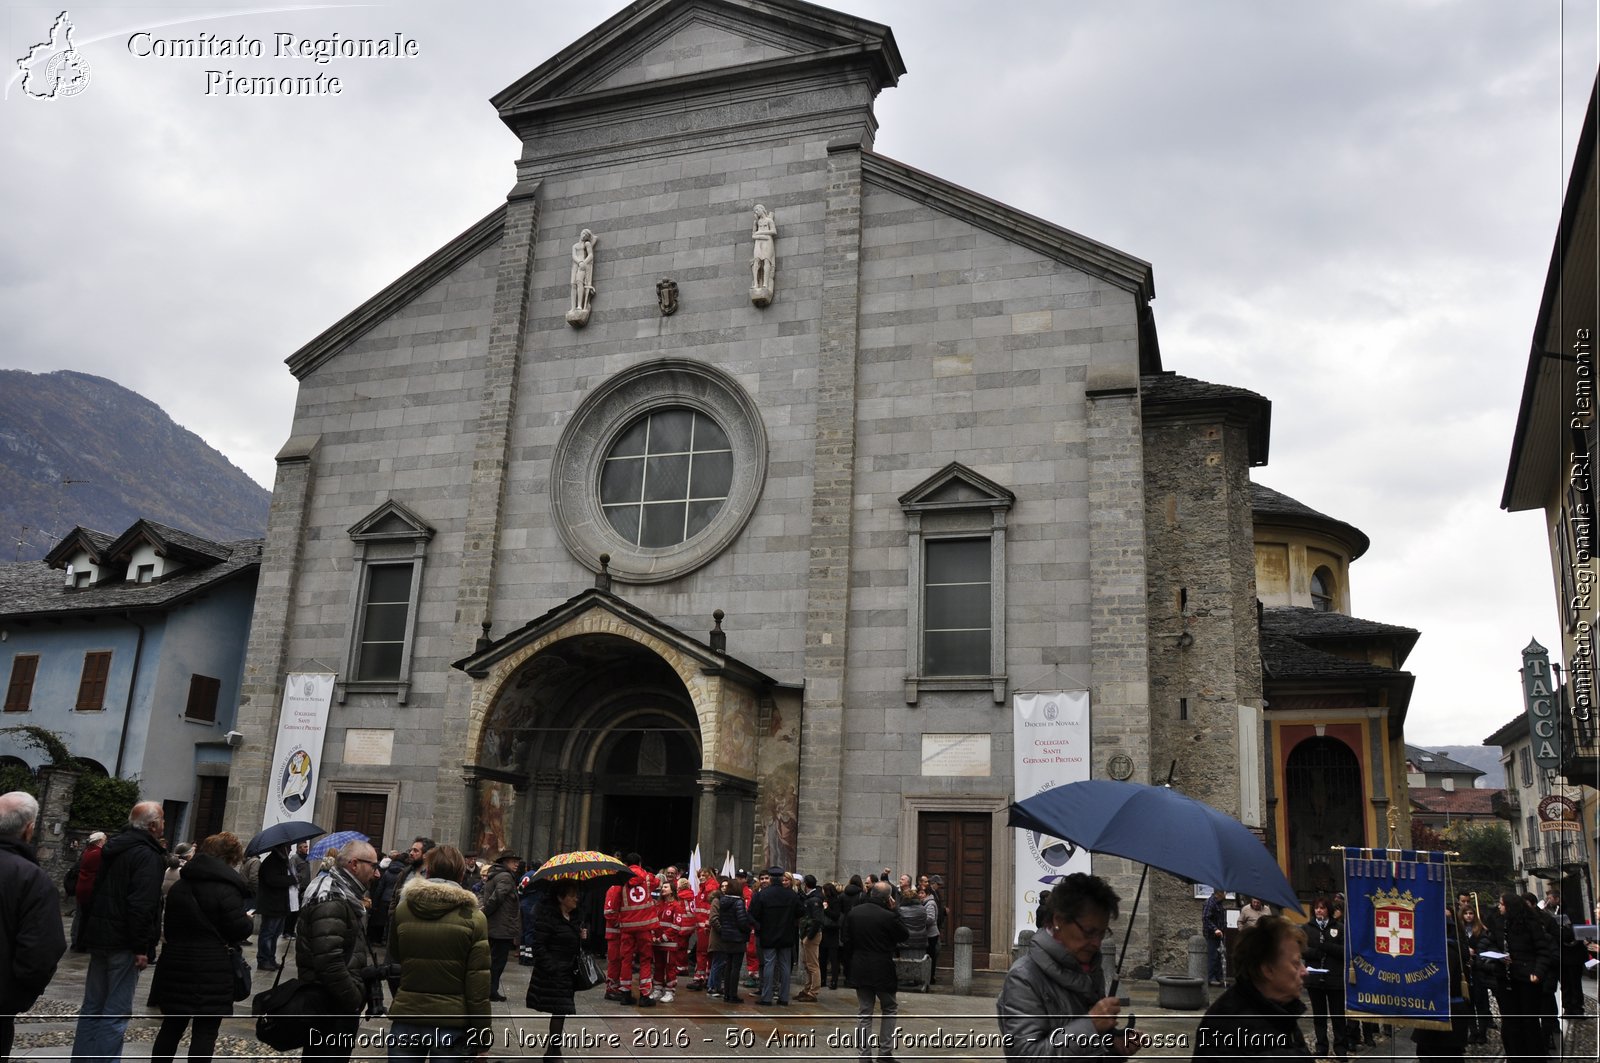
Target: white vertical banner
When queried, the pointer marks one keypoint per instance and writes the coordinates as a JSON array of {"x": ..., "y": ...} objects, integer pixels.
[
  {"x": 1050, "y": 744},
  {"x": 297, "y": 757}
]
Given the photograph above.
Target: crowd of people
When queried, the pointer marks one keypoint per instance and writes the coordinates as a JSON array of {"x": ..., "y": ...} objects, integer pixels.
[{"x": 437, "y": 930}]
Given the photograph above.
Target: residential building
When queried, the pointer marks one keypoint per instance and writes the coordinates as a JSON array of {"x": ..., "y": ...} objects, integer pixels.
[
  {"x": 131, "y": 648},
  {"x": 1553, "y": 470}
]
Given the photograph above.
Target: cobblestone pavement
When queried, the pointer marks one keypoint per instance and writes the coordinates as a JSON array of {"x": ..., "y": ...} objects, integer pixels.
[{"x": 936, "y": 1025}]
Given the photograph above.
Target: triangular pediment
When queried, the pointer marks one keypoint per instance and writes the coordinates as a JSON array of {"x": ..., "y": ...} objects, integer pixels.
[
  {"x": 673, "y": 40},
  {"x": 390, "y": 522},
  {"x": 79, "y": 540},
  {"x": 956, "y": 487},
  {"x": 696, "y": 40},
  {"x": 621, "y": 617}
]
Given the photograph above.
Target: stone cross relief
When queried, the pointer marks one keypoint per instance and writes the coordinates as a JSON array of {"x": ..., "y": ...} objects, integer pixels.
[
  {"x": 764, "y": 266},
  {"x": 582, "y": 279}
]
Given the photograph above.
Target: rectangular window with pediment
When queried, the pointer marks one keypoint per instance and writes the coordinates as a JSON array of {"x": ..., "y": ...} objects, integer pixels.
[
  {"x": 391, "y": 549},
  {"x": 956, "y": 600}
]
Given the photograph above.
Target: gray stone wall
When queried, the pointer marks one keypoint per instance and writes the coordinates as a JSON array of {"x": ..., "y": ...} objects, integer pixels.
[{"x": 1201, "y": 585}]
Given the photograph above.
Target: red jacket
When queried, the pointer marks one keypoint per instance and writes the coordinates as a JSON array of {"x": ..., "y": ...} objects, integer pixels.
[
  {"x": 88, "y": 871},
  {"x": 636, "y": 911}
]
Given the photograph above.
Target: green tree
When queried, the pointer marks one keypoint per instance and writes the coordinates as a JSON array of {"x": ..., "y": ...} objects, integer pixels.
[
  {"x": 1485, "y": 864},
  {"x": 98, "y": 802}
]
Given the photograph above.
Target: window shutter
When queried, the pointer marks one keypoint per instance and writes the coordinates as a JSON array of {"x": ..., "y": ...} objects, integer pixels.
[
  {"x": 19, "y": 692},
  {"x": 92, "y": 687},
  {"x": 203, "y": 694}
]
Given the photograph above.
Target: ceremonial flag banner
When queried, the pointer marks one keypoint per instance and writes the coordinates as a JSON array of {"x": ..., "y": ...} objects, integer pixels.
[
  {"x": 297, "y": 758},
  {"x": 1395, "y": 961},
  {"x": 1050, "y": 742}
]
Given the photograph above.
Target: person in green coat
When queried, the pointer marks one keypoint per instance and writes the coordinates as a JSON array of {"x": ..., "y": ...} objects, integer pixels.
[{"x": 440, "y": 939}]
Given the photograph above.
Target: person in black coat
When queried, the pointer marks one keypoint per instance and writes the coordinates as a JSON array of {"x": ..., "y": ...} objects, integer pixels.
[
  {"x": 557, "y": 939},
  {"x": 1324, "y": 950},
  {"x": 122, "y": 931},
  {"x": 272, "y": 901},
  {"x": 832, "y": 913},
  {"x": 205, "y": 918},
  {"x": 730, "y": 934},
  {"x": 854, "y": 893},
  {"x": 1259, "y": 1015},
  {"x": 776, "y": 913},
  {"x": 873, "y": 933},
  {"x": 1531, "y": 964},
  {"x": 31, "y": 940}
]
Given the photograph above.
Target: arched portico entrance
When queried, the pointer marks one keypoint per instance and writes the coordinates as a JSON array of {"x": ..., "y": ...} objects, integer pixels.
[
  {"x": 1322, "y": 780},
  {"x": 598, "y": 727}
]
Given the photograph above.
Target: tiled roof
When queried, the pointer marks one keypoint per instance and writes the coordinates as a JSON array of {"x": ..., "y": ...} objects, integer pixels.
[
  {"x": 1429, "y": 761},
  {"x": 1170, "y": 387},
  {"x": 186, "y": 540},
  {"x": 1298, "y": 621},
  {"x": 1265, "y": 502},
  {"x": 33, "y": 588},
  {"x": 1285, "y": 658},
  {"x": 1509, "y": 732},
  {"x": 1458, "y": 802}
]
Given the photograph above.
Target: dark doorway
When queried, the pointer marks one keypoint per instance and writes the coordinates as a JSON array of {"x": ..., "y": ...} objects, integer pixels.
[
  {"x": 210, "y": 805},
  {"x": 656, "y": 827},
  {"x": 364, "y": 813},
  {"x": 956, "y": 846},
  {"x": 1322, "y": 780}
]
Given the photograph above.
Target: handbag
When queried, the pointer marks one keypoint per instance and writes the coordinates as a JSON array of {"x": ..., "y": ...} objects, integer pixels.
[
  {"x": 285, "y": 1013},
  {"x": 242, "y": 978},
  {"x": 586, "y": 972}
]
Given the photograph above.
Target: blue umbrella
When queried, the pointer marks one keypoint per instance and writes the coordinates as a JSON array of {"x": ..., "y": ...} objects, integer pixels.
[
  {"x": 1158, "y": 826},
  {"x": 286, "y": 833},
  {"x": 336, "y": 840}
]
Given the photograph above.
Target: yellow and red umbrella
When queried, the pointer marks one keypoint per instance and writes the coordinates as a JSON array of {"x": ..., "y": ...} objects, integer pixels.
[{"x": 583, "y": 866}]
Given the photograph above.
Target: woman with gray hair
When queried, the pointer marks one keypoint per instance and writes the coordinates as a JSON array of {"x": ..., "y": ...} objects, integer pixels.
[{"x": 1054, "y": 1001}]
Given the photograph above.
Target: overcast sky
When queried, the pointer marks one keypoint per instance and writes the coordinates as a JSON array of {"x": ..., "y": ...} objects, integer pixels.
[{"x": 1349, "y": 206}]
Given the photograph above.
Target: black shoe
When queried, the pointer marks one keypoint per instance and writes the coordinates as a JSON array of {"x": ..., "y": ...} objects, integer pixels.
[
  {"x": 269, "y": 967},
  {"x": 764, "y": 1003},
  {"x": 497, "y": 998},
  {"x": 647, "y": 1002},
  {"x": 1320, "y": 1050},
  {"x": 733, "y": 1000},
  {"x": 627, "y": 998}
]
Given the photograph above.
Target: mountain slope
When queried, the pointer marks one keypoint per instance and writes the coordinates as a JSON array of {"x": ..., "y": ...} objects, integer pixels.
[{"x": 80, "y": 449}]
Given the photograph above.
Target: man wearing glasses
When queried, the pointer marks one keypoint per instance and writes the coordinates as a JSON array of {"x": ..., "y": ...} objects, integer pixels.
[
  {"x": 330, "y": 947},
  {"x": 1054, "y": 999}
]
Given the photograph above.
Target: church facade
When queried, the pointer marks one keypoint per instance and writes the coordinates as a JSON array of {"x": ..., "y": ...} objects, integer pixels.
[{"x": 711, "y": 485}]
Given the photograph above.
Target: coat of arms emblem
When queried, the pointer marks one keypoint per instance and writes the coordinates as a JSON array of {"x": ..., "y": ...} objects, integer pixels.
[{"x": 1394, "y": 921}]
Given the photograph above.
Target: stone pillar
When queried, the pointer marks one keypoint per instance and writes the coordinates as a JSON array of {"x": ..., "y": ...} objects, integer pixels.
[
  {"x": 465, "y": 836},
  {"x": 1119, "y": 630},
  {"x": 833, "y": 488},
  {"x": 56, "y": 789},
  {"x": 961, "y": 976},
  {"x": 261, "y": 692},
  {"x": 486, "y": 492},
  {"x": 542, "y": 814}
]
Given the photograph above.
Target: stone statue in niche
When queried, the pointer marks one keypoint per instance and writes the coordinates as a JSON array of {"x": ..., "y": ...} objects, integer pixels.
[
  {"x": 582, "y": 279},
  {"x": 764, "y": 266}
]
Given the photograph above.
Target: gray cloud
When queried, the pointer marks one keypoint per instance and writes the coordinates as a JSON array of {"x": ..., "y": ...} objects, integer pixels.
[{"x": 1350, "y": 208}]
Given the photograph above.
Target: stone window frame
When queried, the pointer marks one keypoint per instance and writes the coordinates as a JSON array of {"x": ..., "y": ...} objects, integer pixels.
[
  {"x": 389, "y": 535},
  {"x": 932, "y": 514},
  {"x": 589, "y": 436}
]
